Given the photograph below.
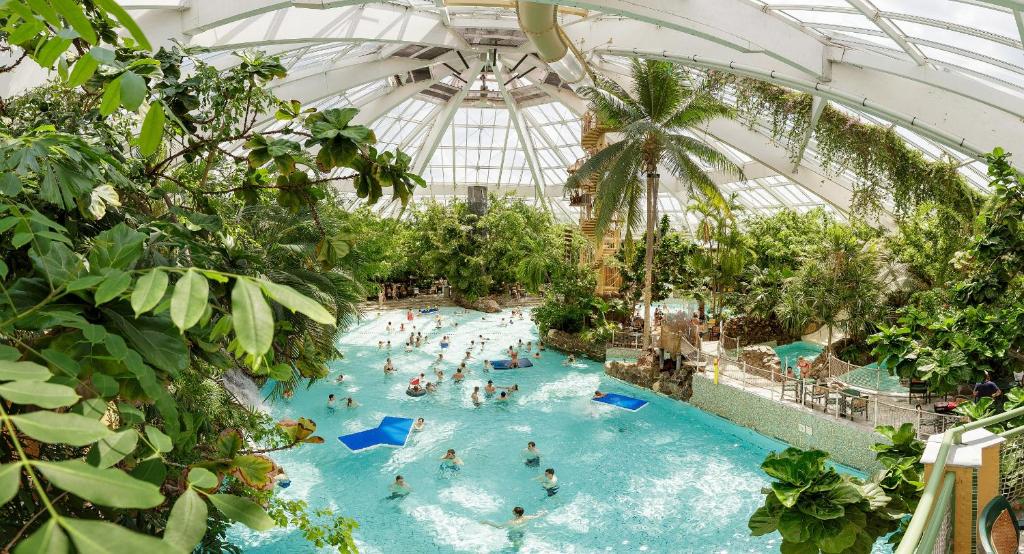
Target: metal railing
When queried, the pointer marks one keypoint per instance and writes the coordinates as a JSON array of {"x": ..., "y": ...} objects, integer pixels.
[
  {"x": 927, "y": 533},
  {"x": 833, "y": 399}
]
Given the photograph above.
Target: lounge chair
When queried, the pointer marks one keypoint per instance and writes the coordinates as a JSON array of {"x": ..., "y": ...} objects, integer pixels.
[{"x": 998, "y": 528}]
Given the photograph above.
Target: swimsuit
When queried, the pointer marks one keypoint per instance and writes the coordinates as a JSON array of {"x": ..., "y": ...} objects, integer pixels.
[{"x": 533, "y": 462}]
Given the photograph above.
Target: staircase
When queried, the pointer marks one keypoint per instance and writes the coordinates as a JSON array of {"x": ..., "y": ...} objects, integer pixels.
[{"x": 604, "y": 248}]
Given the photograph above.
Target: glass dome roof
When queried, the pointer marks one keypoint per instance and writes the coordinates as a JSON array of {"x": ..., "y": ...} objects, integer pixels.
[{"x": 456, "y": 84}]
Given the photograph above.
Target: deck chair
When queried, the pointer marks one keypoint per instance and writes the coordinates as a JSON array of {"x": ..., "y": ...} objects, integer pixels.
[{"x": 998, "y": 528}]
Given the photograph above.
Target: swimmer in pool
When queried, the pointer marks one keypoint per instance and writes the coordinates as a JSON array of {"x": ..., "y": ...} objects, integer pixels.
[
  {"x": 598, "y": 394},
  {"x": 536, "y": 355},
  {"x": 330, "y": 402},
  {"x": 288, "y": 394},
  {"x": 380, "y": 345},
  {"x": 388, "y": 345},
  {"x": 529, "y": 346},
  {"x": 440, "y": 358},
  {"x": 531, "y": 456},
  {"x": 458, "y": 375},
  {"x": 440, "y": 376},
  {"x": 514, "y": 525},
  {"x": 450, "y": 461},
  {"x": 419, "y": 425},
  {"x": 351, "y": 403},
  {"x": 390, "y": 327},
  {"x": 468, "y": 355},
  {"x": 475, "y": 397},
  {"x": 341, "y": 378},
  {"x": 399, "y": 489},
  {"x": 431, "y": 387},
  {"x": 462, "y": 366},
  {"x": 408, "y": 346},
  {"x": 489, "y": 389},
  {"x": 549, "y": 482},
  {"x": 401, "y": 327},
  {"x": 570, "y": 360},
  {"x": 503, "y": 397},
  {"x": 487, "y": 366}
]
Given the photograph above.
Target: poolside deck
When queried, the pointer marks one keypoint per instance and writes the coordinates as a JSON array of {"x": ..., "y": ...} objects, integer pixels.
[{"x": 861, "y": 408}]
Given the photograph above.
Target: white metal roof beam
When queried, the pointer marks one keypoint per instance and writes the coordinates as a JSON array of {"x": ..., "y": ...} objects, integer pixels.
[
  {"x": 817, "y": 107},
  {"x": 1018, "y": 16},
  {"x": 544, "y": 137},
  {"x": 362, "y": 23},
  {"x": 444, "y": 119},
  {"x": 374, "y": 109},
  {"x": 525, "y": 140},
  {"x": 872, "y": 13}
]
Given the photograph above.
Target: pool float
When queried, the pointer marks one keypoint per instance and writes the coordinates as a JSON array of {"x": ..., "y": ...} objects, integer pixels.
[
  {"x": 392, "y": 431},
  {"x": 507, "y": 364},
  {"x": 415, "y": 394},
  {"x": 429, "y": 311},
  {"x": 621, "y": 401}
]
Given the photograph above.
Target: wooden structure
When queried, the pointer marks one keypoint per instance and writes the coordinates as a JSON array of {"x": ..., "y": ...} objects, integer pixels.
[{"x": 601, "y": 254}]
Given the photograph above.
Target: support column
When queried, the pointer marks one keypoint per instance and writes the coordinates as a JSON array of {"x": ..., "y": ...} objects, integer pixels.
[{"x": 975, "y": 466}]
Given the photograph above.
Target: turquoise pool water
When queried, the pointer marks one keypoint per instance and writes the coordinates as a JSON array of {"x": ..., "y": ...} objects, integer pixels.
[
  {"x": 790, "y": 353},
  {"x": 869, "y": 378},
  {"x": 668, "y": 478}
]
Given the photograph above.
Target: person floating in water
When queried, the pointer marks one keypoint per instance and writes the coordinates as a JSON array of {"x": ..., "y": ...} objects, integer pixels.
[
  {"x": 570, "y": 360},
  {"x": 598, "y": 394},
  {"x": 531, "y": 456},
  {"x": 536, "y": 355},
  {"x": 458, "y": 375},
  {"x": 341, "y": 378},
  {"x": 431, "y": 387},
  {"x": 351, "y": 403},
  {"x": 475, "y": 397},
  {"x": 419, "y": 425},
  {"x": 549, "y": 482},
  {"x": 503, "y": 397},
  {"x": 451, "y": 462},
  {"x": 390, "y": 327},
  {"x": 487, "y": 366},
  {"x": 490, "y": 389},
  {"x": 440, "y": 376},
  {"x": 399, "y": 489},
  {"x": 330, "y": 402}
]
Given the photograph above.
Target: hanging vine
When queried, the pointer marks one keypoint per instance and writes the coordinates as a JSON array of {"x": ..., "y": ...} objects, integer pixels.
[{"x": 885, "y": 166}]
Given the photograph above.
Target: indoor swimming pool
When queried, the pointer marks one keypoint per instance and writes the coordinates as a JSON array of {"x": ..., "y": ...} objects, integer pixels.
[{"x": 666, "y": 478}]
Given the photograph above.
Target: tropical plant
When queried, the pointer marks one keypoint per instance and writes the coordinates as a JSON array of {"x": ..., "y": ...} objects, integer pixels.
[
  {"x": 817, "y": 509},
  {"x": 951, "y": 337},
  {"x": 651, "y": 118},
  {"x": 718, "y": 263},
  {"x": 145, "y": 256}
]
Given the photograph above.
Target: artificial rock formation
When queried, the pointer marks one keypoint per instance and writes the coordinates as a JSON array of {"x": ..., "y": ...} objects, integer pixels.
[
  {"x": 572, "y": 344},
  {"x": 646, "y": 372}
]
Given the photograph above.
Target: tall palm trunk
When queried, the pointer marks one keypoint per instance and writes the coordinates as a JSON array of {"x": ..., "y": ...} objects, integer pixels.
[{"x": 652, "y": 216}]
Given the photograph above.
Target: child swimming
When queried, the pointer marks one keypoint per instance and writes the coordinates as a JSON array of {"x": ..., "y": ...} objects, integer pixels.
[
  {"x": 450, "y": 462},
  {"x": 399, "y": 489},
  {"x": 531, "y": 456},
  {"x": 549, "y": 482}
]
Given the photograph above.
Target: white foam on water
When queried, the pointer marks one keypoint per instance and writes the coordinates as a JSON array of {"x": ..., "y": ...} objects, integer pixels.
[
  {"x": 457, "y": 532},
  {"x": 572, "y": 385},
  {"x": 419, "y": 445},
  {"x": 520, "y": 428},
  {"x": 471, "y": 498},
  {"x": 582, "y": 514},
  {"x": 305, "y": 478}
]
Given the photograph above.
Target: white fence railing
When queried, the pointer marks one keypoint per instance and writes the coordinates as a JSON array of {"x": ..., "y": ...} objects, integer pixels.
[{"x": 831, "y": 397}]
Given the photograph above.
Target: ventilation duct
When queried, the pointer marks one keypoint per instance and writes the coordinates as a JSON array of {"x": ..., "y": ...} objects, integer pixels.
[{"x": 539, "y": 23}]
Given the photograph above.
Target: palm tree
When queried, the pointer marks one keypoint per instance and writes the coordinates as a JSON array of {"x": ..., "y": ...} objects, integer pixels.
[{"x": 652, "y": 119}]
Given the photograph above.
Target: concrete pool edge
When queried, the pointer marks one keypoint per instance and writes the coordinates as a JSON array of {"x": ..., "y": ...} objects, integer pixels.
[{"x": 775, "y": 421}]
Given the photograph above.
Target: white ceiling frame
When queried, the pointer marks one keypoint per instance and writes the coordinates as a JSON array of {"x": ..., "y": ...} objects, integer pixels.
[
  {"x": 547, "y": 140},
  {"x": 444, "y": 119},
  {"x": 374, "y": 109},
  {"x": 872, "y": 13},
  {"x": 525, "y": 139}
]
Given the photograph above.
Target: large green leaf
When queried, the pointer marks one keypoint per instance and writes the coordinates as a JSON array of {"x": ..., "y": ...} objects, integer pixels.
[
  {"x": 839, "y": 542},
  {"x": 54, "y": 428},
  {"x": 243, "y": 511},
  {"x": 251, "y": 315},
  {"x": 187, "y": 522},
  {"x": 113, "y": 285},
  {"x": 152, "y": 129},
  {"x": 106, "y": 487},
  {"x": 102, "y": 537},
  {"x": 202, "y": 478},
  {"x": 10, "y": 478},
  {"x": 787, "y": 494},
  {"x": 133, "y": 90},
  {"x": 790, "y": 547},
  {"x": 154, "y": 337},
  {"x": 297, "y": 302},
  {"x": 23, "y": 371},
  {"x": 820, "y": 507},
  {"x": 113, "y": 449},
  {"x": 48, "y": 539},
  {"x": 149, "y": 290},
  {"x": 252, "y": 469},
  {"x": 795, "y": 526},
  {"x": 118, "y": 247},
  {"x": 764, "y": 520},
  {"x": 72, "y": 12},
  {"x": 126, "y": 21},
  {"x": 44, "y": 395},
  {"x": 158, "y": 439},
  {"x": 188, "y": 302}
]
